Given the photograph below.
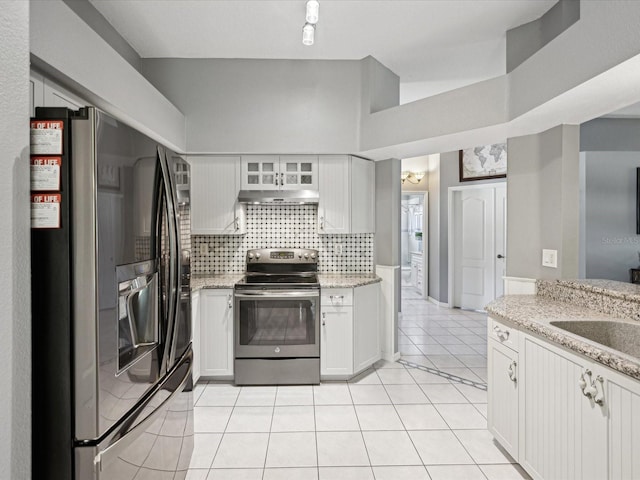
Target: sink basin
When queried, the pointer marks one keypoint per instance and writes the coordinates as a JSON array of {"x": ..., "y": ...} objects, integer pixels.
[{"x": 620, "y": 336}]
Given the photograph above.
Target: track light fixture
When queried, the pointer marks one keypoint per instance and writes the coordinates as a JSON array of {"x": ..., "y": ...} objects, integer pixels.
[{"x": 311, "y": 17}]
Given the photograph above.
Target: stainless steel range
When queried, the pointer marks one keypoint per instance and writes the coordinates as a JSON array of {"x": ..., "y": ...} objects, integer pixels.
[{"x": 277, "y": 333}]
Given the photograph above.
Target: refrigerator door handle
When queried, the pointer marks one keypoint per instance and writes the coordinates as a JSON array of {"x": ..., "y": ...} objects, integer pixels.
[
  {"x": 174, "y": 262},
  {"x": 175, "y": 319}
]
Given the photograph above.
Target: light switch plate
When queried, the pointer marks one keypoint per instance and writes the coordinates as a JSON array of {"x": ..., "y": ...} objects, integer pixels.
[{"x": 550, "y": 258}]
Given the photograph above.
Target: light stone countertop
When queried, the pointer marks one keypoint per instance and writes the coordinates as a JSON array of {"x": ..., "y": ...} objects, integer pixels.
[
  {"x": 327, "y": 280},
  {"x": 611, "y": 288},
  {"x": 227, "y": 280},
  {"x": 348, "y": 280},
  {"x": 533, "y": 313}
]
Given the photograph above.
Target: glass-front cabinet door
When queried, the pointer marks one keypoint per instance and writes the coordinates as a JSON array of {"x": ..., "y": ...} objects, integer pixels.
[
  {"x": 299, "y": 172},
  {"x": 286, "y": 172},
  {"x": 260, "y": 172}
]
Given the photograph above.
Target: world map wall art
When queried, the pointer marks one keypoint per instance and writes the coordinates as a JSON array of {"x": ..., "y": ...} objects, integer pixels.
[{"x": 481, "y": 163}]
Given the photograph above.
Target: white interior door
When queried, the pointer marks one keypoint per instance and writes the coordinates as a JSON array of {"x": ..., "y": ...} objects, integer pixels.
[{"x": 474, "y": 247}]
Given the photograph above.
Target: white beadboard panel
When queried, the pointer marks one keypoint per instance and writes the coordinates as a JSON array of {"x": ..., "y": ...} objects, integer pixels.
[
  {"x": 623, "y": 398},
  {"x": 214, "y": 193},
  {"x": 334, "y": 209},
  {"x": 564, "y": 433}
]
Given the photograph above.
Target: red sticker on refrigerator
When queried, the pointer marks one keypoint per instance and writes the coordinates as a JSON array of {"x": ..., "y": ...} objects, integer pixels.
[
  {"x": 45, "y": 173},
  {"x": 45, "y": 210},
  {"x": 46, "y": 137}
]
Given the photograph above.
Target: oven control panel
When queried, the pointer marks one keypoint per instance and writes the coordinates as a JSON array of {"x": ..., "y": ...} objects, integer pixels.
[{"x": 280, "y": 255}]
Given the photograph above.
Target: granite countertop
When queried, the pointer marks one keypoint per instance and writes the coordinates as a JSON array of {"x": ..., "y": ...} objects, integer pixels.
[
  {"x": 611, "y": 288},
  {"x": 332, "y": 280},
  {"x": 534, "y": 313},
  {"x": 327, "y": 280},
  {"x": 223, "y": 280}
]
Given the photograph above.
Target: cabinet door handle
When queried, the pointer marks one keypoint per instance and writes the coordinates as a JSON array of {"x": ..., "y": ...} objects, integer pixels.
[
  {"x": 512, "y": 371},
  {"x": 236, "y": 222},
  {"x": 501, "y": 334},
  {"x": 230, "y": 301},
  {"x": 599, "y": 396},
  {"x": 324, "y": 316},
  {"x": 321, "y": 223}
]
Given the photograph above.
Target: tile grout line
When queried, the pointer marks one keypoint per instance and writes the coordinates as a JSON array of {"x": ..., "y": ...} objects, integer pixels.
[{"x": 355, "y": 411}]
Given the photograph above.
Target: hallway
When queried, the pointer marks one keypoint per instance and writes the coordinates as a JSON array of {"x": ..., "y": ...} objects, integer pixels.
[{"x": 449, "y": 340}]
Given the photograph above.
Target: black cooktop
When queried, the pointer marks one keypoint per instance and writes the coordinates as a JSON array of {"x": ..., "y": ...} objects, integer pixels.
[{"x": 279, "y": 279}]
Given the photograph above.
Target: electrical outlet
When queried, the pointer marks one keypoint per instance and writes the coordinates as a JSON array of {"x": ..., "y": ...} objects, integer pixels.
[
  {"x": 337, "y": 249},
  {"x": 550, "y": 258},
  {"x": 204, "y": 248}
]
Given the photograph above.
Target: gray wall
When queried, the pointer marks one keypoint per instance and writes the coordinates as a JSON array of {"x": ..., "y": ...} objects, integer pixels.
[
  {"x": 15, "y": 281},
  {"x": 388, "y": 198},
  {"x": 610, "y": 245},
  {"x": 92, "y": 17},
  {"x": 543, "y": 202},
  {"x": 263, "y": 106},
  {"x": 610, "y": 135},
  {"x": 387, "y": 237},
  {"x": 611, "y": 242},
  {"x": 527, "y": 39}
]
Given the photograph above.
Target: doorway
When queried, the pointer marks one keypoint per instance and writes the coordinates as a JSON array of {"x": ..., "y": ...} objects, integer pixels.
[
  {"x": 477, "y": 244},
  {"x": 413, "y": 242}
]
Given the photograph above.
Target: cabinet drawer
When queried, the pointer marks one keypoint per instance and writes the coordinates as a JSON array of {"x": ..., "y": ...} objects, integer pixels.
[
  {"x": 337, "y": 296},
  {"x": 503, "y": 334}
]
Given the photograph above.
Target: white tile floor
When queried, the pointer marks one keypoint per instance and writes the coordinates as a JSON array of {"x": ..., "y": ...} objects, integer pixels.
[{"x": 390, "y": 423}]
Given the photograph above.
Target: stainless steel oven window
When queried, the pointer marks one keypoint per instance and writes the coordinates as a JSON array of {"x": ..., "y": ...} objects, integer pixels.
[{"x": 277, "y": 322}]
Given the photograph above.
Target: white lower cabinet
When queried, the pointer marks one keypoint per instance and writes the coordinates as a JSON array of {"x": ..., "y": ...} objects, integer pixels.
[
  {"x": 576, "y": 418},
  {"x": 502, "y": 412},
  {"x": 216, "y": 333},
  {"x": 336, "y": 340},
  {"x": 350, "y": 331},
  {"x": 195, "y": 333},
  {"x": 623, "y": 400},
  {"x": 366, "y": 327},
  {"x": 563, "y": 431}
]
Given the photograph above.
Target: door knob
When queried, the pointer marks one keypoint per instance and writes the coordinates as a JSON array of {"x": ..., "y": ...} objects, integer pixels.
[{"x": 501, "y": 256}]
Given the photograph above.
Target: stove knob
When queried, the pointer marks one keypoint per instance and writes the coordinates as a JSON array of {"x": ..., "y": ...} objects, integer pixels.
[
  {"x": 306, "y": 256},
  {"x": 257, "y": 256},
  {"x": 250, "y": 256},
  {"x": 313, "y": 256}
]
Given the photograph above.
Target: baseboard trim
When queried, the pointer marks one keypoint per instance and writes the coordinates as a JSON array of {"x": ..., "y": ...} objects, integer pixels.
[{"x": 436, "y": 302}]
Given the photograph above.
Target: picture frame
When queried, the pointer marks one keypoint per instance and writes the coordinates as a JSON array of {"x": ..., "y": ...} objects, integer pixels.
[{"x": 482, "y": 163}]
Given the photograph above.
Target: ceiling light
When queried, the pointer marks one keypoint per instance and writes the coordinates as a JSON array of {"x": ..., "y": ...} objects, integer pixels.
[
  {"x": 408, "y": 176},
  {"x": 308, "y": 32},
  {"x": 313, "y": 6}
]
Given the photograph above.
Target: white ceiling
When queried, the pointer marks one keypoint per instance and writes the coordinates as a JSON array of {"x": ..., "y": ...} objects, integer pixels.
[{"x": 432, "y": 45}]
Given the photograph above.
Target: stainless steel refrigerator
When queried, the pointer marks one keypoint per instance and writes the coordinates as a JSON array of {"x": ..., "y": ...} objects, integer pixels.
[{"x": 112, "y": 356}]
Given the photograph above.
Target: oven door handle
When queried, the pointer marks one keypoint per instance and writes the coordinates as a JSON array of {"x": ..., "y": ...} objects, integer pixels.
[{"x": 278, "y": 294}]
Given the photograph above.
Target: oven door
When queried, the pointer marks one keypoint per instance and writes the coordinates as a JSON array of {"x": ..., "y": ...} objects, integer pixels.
[{"x": 277, "y": 323}]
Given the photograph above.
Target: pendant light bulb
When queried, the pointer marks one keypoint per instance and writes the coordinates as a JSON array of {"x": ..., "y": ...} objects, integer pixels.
[
  {"x": 308, "y": 32},
  {"x": 313, "y": 7}
]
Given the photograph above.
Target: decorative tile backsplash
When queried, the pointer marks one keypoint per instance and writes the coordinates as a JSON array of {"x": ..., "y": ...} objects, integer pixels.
[{"x": 282, "y": 226}]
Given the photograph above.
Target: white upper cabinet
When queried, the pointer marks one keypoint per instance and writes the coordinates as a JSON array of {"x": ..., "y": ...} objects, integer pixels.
[
  {"x": 346, "y": 186},
  {"x": 215, "y": 183},
  {"x": 284, "y": 172}
]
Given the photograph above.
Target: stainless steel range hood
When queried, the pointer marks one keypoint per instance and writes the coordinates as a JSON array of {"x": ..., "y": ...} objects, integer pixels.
[{"x": 279, "y": 197}]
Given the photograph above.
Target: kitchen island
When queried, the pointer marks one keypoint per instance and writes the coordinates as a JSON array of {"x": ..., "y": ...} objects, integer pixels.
[{"x": 564, "y": 376}]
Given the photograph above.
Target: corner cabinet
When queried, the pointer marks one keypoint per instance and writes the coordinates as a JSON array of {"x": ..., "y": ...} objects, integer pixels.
[
  {"x": 216, "y": 333},
  {"x": 576, "y": 418},
  {"x": 349, "y": 330},
  {"x": 346, "y": 186},
  {"x": 215, "y": 183},
  {"x": 279, "y": 172}
]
